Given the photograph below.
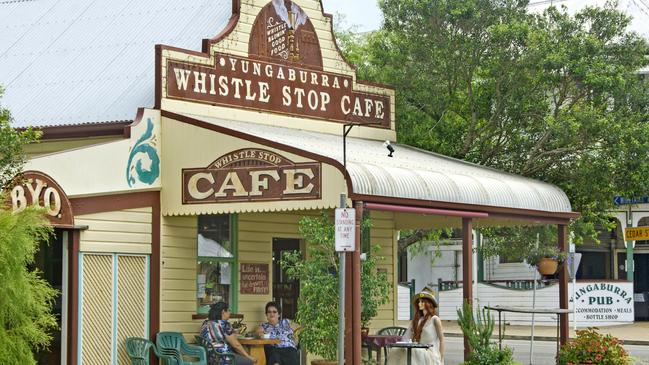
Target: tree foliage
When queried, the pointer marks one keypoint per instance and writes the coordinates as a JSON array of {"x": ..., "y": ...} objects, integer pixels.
[
  {"x": 12, "y": 142},
  {"x": 551, "y": 96},
  {"x": 26, "y": 299},
  {"x": 318, "y": 275}
]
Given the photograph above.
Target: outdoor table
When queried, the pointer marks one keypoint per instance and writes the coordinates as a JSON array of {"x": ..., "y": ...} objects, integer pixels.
[
  {"x": 501, "y": 309},
  {"x": 256, "y": 347},
  {"x": 378, "y": 341},
  {"x": 409, "y": 346}
]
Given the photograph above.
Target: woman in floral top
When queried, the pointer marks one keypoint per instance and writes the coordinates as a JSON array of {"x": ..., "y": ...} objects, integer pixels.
[
  {"x": 217, "y": 331},
  {"x": 284, "y": 353}
]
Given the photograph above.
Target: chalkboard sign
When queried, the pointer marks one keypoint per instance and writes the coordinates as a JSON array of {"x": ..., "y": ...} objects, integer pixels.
[{"x": 254, "y": 279}]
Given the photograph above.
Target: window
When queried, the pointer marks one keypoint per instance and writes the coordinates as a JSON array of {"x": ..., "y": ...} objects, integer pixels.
[{"x": 216, "y": 264}]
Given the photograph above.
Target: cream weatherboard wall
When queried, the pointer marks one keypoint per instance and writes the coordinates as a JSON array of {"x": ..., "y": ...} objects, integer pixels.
[
  {"x": 114, "y": 283},
  {"x": 254, "y": 244}
]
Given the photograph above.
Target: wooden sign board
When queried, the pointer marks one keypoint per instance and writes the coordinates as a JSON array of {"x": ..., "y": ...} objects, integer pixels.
[
  {"x": 251, "y": 174},
  {"x": 636, "y": 234},
  {"x": 253, "y": 278},
  {"x": 37, "y": 189}
]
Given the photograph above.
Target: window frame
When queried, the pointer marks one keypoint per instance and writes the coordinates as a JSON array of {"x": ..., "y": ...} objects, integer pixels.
[{"x": 234, "y": 260}]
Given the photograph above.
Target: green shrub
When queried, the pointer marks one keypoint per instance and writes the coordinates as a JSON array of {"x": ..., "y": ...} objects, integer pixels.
[
  {"x": 591, "y": 347},
  {"x": 26, "y": 299}
]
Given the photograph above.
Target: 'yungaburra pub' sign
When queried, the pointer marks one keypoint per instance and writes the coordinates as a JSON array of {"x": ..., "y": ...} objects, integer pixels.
[{"x": 282, "y": 74}]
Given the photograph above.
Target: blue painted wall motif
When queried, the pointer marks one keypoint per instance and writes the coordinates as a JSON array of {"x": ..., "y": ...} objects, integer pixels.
[{"x": 143, "y": 161}]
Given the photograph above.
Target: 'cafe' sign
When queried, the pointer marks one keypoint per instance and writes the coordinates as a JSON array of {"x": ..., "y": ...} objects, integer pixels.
[{"x": 251, "y": 174}]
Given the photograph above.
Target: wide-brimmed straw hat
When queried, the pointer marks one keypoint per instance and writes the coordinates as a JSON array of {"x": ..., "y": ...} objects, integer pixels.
[{"x": 427, "y": 293}]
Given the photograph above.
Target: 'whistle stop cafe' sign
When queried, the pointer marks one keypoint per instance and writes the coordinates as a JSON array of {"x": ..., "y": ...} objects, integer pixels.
[
  {"x": 251, "y": 174},
  {"x": 283, "y": 73}
]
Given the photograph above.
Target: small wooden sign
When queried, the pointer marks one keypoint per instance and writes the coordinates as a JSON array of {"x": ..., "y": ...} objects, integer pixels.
[{"x": 253, "y": 278}]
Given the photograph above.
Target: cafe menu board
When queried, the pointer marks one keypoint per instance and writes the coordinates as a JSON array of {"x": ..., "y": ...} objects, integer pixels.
[{"x": 253, "y": 278}]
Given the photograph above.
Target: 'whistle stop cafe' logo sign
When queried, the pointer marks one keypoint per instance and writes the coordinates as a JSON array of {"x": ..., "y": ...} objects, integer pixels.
[
  {"x": 282, "y": 74},
  {"x": 39, "y": 190},
  {"x": 251, "y": 174}
]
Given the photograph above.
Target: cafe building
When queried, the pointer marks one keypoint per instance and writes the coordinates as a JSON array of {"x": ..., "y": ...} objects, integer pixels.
[{"x": 181, "y": 145}]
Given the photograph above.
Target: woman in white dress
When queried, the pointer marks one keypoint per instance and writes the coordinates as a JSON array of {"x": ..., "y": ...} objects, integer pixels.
[{"x": 426, "y": 327}]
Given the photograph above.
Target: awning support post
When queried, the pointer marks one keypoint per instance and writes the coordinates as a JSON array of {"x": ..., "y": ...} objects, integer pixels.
[
  {"x": 563, "y": 285},
  {"x": 467, "y": 272},
  {"x": 356, "y": 276}
]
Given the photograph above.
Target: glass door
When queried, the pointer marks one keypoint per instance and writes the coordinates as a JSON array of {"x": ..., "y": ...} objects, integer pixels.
[{"x": 285, "y": 291}]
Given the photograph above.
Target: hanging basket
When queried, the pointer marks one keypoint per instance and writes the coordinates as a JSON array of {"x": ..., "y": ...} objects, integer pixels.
[{"x": 547, "y": 266}]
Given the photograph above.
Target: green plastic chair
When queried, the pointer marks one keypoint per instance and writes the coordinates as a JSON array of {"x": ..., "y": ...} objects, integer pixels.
[
  {"x": 137, "y": 349},
  {"x": 221, "y": 357},
  {"x": 172, "y": 345}
]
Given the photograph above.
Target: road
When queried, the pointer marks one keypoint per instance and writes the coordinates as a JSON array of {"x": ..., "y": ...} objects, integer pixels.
[{"x": 544, "y": 351}]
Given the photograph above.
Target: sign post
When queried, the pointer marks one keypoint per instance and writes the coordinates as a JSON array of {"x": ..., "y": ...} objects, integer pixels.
[{"x": 345, "y": 240}]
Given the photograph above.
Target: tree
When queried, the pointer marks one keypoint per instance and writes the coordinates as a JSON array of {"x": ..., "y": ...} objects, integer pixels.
[
  {"x": 317, "y": 311},
  {"x": 549, "y": 96},
  {"x": 26, "y": 299},
  {"x": 12, "y": 142}
]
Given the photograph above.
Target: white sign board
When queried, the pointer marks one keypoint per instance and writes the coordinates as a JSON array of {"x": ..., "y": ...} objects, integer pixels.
[
  {"x": 599, "y": 302},
  {"x": 345, "y": 229}
]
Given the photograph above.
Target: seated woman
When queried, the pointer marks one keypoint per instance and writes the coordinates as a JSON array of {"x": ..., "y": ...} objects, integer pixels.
[
  {"x": 217, "y": 331},
  {"x": 426, "y": 328},
  {"x": 285, "y": 352}
]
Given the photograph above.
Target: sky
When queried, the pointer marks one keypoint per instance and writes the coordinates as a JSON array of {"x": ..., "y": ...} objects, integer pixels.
[
  {"x": 367, "y": 16},
  {"x": 363, "y": 13}
]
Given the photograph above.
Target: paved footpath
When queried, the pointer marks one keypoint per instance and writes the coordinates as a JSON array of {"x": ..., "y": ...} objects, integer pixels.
[{"x": 631, "y": 334}]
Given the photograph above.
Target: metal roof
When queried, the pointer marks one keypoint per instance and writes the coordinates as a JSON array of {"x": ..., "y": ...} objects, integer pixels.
[
  {"x": 413, "y": 173},
  {"x": 79, "y": 61}
]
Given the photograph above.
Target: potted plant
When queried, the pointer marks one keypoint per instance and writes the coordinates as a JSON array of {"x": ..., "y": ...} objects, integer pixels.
[
  {"x": 478, "y": 328},
  {"x": 317, "y": 312},
  {"x": 591, "y": 347},
  {"x": 546, "y": 258}
]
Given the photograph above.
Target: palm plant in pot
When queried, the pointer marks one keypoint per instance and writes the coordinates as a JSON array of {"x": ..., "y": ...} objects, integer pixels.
[{"x": 317, "y": 312}]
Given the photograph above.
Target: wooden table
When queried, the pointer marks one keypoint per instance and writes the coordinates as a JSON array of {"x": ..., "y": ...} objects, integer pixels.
[{"x": 256, "y": 347}]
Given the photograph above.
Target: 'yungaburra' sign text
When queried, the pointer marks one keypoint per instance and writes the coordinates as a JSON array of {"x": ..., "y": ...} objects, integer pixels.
[
  {"x": 251, "y": 174},
  {"x": 275, "y": 87}
]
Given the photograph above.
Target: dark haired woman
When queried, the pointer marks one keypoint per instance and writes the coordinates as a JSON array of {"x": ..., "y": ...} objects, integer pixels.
[
  {"x": 426, "y": 328},
  {"x": 284, "y": 353},
  {"x": 218, "y": 332}
]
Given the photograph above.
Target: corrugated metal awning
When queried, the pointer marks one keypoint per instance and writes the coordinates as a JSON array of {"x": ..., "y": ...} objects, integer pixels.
[{"x": 412, "y": 175}]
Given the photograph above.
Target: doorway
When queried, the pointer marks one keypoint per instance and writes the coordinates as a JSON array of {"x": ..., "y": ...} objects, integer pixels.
[
  {"x": 51, "y": 262},
  {"x": 285, "y": 290},
  {"x": 640, "y": 282}
]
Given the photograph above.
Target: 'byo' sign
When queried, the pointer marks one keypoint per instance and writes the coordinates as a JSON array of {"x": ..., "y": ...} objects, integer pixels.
[
  {"x": 33, "y": 192},
  {"x": 39, "y": 190}
]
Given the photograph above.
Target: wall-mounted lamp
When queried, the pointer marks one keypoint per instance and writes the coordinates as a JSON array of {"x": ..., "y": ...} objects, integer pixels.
[{"x": 387, "y": 145}]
